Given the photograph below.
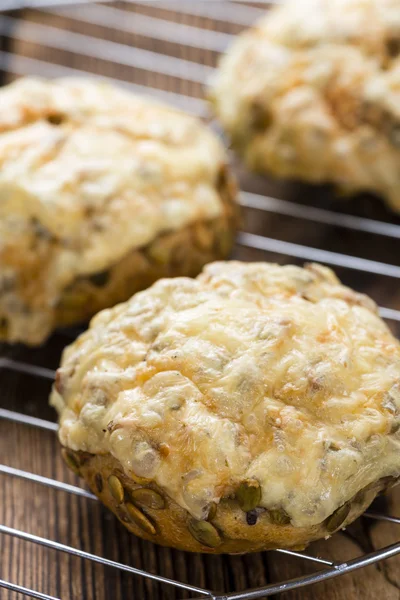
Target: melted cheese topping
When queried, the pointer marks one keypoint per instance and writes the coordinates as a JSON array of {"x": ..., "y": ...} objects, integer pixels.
[
  {"x": 249, "y": 371},
  {"x": 313, "y": 92}
]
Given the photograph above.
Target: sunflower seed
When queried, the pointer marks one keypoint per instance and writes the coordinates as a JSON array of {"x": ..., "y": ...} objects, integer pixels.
[
  {"x": 337, "y": 518},
  {"x": 116, "y": 488}
]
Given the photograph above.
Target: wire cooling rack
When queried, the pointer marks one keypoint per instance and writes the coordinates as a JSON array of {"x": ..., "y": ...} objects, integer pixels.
[{"x": 172, "y": 60}]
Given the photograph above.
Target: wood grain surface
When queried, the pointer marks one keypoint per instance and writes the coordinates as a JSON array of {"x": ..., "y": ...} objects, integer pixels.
[{"x": 84, "y": 523}]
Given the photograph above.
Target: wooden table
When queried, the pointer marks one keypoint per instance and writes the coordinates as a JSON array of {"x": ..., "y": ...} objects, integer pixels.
[{"x": 84, "y": 523}]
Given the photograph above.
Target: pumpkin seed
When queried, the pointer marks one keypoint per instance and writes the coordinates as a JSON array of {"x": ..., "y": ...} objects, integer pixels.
[
  {"x": 71, "y": 461},
  {"x": 212, "y": 512},
  {"x": 98, "y": 481},
  {"x": 224, "y": 242},
  {"x": 122, "y": 514},
  {"x": 148, "y": 498},
  {"x": 248, "y": 494},
  {"x": 205, "y": 533},
  {"x": 337, "y": 518},
  {"x": 394, "y": 135},
  {"x": 159, "y": 252},
  {"x": 116, "y": 488},
  {"x": 203, "y": 236},
  {"x": 72, "y": 299},
  {"x": 140, "y": 519},
  {"x": 278, "y": 516}
]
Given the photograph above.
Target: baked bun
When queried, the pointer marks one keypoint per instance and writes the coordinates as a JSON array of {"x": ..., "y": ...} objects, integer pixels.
[
  {"x": 312, "y": 92},
  {"x": 254, "y": 407},
  {"x": 101, "y": 193}
]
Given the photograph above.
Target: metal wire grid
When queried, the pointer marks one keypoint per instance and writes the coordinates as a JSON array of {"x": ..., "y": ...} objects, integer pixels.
[{"x": 164, "y": 30}]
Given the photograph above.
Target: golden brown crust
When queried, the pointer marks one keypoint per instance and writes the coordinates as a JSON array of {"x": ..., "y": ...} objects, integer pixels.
[
  {"x": 228, "y": 529},
  {"x": 311, "y": 92}
]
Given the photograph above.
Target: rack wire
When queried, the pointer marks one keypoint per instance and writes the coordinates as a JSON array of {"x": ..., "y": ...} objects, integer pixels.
[{"x": 118, "y": 17}]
